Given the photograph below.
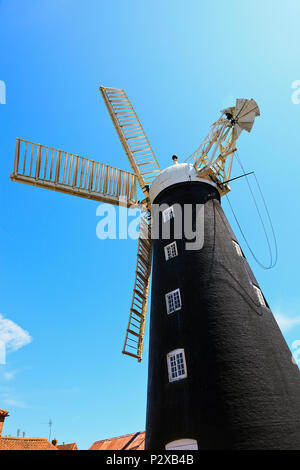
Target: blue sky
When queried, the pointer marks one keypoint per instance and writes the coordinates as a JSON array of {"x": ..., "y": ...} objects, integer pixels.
[{"x": 180, "y": 63}]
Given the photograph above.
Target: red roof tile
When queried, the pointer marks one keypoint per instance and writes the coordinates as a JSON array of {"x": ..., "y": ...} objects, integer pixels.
[
  {"x": 3, "y": 412},
  {"x": 134, "y": 441},
  {"x": 72, "y": 446},
  {"x": 25, "y": 443}
]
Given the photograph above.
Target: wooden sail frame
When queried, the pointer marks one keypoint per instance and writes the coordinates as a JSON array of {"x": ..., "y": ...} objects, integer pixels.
[
  {"x": 132, "y": 136},
  {"x": 46, "y": 167},
  {"x": 134, "y": 339}
]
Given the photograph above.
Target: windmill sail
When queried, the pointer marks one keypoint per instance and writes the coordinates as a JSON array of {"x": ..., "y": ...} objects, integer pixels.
[
  {"x": 134, "y": 340},
  {"x": 245, "y": 113},
  {"x": 219, "y": 146},
  {"x": 133, "y": 138},
  {"x": 54, "y": 169}
]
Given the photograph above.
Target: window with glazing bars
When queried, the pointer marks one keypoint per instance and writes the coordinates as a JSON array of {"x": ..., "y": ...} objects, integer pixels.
[
  {"x": 176, "y": 365},
  {"x": 168, "y": 214},
  {"x": 173, "y": 301},
  {"x": 171, "y": 251}
]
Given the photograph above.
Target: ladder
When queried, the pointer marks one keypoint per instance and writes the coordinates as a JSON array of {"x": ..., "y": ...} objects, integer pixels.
[{"x": 134, "y": 339}]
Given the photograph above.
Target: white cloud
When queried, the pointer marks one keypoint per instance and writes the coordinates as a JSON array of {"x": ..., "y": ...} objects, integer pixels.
[
  {"x": 286, "y": 323},
  {"x": 9, "y": 375},
  {"x": 14, "y": 402},
  {"x": 12, "y": 335}
]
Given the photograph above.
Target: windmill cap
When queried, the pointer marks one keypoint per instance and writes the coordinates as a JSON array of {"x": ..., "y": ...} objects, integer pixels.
[{"x": 180, "y": 173}]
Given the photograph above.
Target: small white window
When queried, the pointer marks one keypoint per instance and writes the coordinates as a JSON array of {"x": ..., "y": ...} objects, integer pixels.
[
  {"x": 176, "y": 365},
  {"x": 168, "y": 214},
  {"x": 173, "y": 301},
  {"x": 171, "y": 251},
  {"x": 238, "y": 248},
  {"x": 259, "y": 295},
  {"x": 182, "y": 444}
]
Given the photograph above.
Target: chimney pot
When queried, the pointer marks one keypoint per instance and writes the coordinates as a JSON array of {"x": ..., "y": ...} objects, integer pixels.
[{"x": 3, "y": 415}]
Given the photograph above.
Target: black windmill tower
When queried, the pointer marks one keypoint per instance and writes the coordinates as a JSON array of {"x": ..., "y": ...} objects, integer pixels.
[{"x": 220, "y": 372}]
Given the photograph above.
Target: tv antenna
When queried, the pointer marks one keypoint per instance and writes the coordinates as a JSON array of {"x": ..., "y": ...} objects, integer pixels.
[{"x": 50, "y": 428}]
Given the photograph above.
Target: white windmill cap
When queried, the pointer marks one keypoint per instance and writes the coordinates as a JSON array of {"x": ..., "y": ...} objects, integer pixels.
[{"x": 179, "y": 173}]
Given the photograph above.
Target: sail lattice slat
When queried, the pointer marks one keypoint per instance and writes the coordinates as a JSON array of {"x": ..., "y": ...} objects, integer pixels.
[
  {"x": 131, "y": 133},
  {"x": 134, "y": 340},
  {"x": 55, "y": 169}
]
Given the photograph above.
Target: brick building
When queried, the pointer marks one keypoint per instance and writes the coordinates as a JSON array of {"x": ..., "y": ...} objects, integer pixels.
[
  {"x": 135, "y": 441},
  {"x": 72, "y": 446},
  {"x": 22, "y": 443}
]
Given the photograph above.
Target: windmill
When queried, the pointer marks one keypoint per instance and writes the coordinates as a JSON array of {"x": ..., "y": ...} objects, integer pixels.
[{"x": 201, "y": 299}]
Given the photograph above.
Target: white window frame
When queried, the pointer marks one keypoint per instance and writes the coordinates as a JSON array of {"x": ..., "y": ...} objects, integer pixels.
[
  {"x": 171, "y": 255},
  {"x": 182, "y": 444},
  {"x": 175, "y": 354},
  {"x": 168, "y": 214},
  {"x": 259, "y": 295},
  {"x": 169, "y": 294},
  {"x": 238, "y": 248}
]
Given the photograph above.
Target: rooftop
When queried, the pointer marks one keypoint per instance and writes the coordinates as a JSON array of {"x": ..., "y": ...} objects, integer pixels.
[
  {"x": 134, "y": 441},
  {"x": 72, "y": 446},
  {"x": 25, "y": 443}
]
